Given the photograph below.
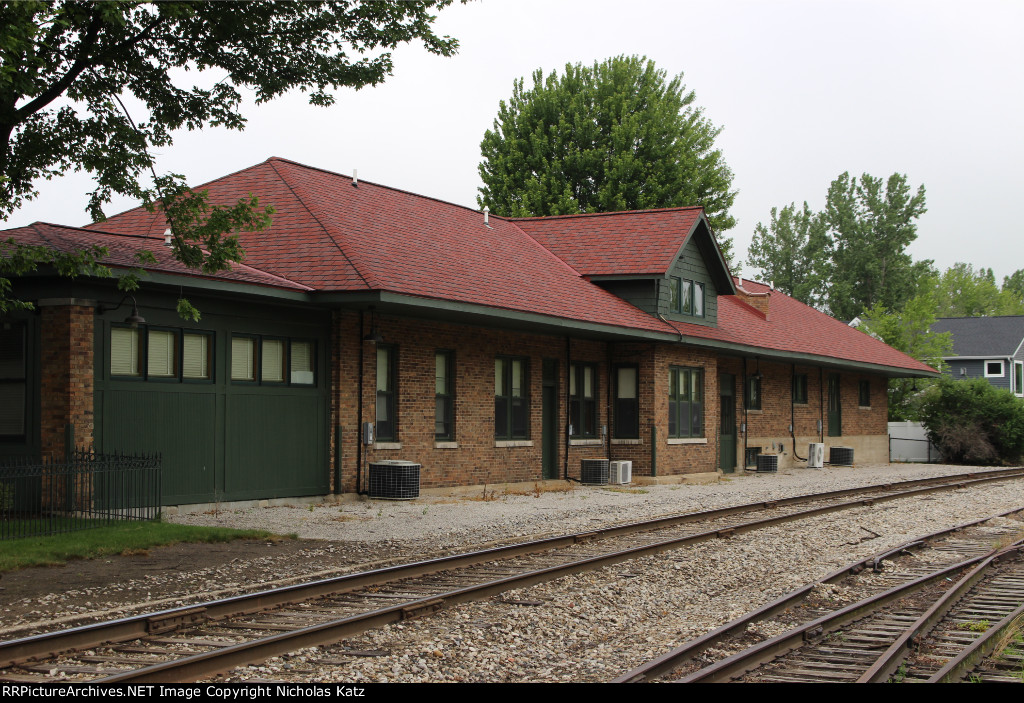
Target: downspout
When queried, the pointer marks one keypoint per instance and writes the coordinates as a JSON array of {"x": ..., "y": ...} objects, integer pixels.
[
  {"x": 792, "y": 411},
  {"x": 821, "y": 405},
  {"x": 608, "y": 403},
  {"x": 746, "y": 426},
  {"x": 359, "y": 412},
  {"x": 338, "y": 429},
  {"x": 567, "y": 372}
]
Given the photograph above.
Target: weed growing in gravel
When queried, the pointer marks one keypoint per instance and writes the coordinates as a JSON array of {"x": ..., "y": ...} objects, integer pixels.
[
  {"x": 979, "y": 626},
  {"x": 486, "y": 496},
  {"x": 900, "y": 674},
  {"x": 1008, "y": 539},
  {"x": 540, "y": 489},
  {"x": 635, "y": 491}
]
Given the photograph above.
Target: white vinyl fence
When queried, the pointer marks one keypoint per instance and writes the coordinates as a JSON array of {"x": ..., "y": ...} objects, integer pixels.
[{"x": 907, "y": 442}]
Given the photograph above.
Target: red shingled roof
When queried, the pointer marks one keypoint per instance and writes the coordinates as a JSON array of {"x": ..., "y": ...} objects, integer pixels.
[
  {"x": 638, "y": 242},
  {"x": 122, "y": 249},
  {"x": 330, "y": 236},
  {"x": 791, "y": 326}
]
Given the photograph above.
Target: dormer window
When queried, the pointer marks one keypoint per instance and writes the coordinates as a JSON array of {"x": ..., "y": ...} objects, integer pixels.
[{"x": 686, "y": 297}]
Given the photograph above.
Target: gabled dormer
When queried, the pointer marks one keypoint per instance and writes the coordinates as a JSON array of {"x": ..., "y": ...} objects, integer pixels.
[
  {"x": 697, "y": 276},
  {"x": 665, "y": 262}
]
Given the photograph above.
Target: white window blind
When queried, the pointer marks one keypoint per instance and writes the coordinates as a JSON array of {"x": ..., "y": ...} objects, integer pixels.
[
  {"x": 243, "y": 359},
  {"x": 627, "y": 383},
  {"x": 124, "y": 352},
  {"x": 302, "y": 362},
  {"x": 195, "y": 361},
  {"x": 163, "y": 351},
  {"x": 273, "y": 361}
]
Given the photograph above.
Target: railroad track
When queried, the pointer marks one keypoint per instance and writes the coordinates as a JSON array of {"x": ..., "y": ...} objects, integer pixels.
[
  {"x": 918, "y": 624},
  {"x": 195, "y": 642}
]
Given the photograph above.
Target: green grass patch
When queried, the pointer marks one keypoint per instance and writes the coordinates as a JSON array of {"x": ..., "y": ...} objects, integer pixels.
[{"x": 120, "y": 538}]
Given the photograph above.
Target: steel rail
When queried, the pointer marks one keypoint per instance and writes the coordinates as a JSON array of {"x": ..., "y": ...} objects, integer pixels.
[
  {"x": 211, "y": 663},
  {"x": 958, "y": 667},
  {"x": 749, "y": 659},
  {"x": 889, "y": 661},
  {"x": 85, "y": 637},
  {"x": 676, "y": 657}
]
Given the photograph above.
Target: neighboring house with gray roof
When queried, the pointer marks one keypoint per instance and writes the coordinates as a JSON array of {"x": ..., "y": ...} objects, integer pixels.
[{"x": 987, "y": 347}]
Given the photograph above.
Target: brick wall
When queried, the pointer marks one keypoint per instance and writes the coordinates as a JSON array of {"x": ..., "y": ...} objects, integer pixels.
[
  {"x": 66, "y": 376},
  {"x": 769, "y": 428},
  {"x": 475, "y": 459}
]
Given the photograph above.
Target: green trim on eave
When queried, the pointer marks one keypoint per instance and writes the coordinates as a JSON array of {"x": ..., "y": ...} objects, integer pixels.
[
  {"x": 724, "y": 276},
  {"x": 810, "y": 359},
  {"x": 222, "y": 286},
  {"x": 189, "y": 283},
  {"x": 544, "y": 324},
  {"x": 533, "y": 320}
]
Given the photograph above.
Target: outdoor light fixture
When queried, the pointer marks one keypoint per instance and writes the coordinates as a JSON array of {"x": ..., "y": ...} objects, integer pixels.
[
  {"x": 374, "y": 336},
  {"x": 134, "y": 319}
]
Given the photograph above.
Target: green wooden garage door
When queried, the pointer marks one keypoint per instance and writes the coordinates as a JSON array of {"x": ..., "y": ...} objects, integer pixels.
[{"x": 224, "y": 434}]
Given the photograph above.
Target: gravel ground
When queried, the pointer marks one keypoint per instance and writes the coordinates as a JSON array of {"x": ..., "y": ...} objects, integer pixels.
[
  {"x": 445, "y": 522},
  {"x": 588, "y": 627},
  {"x": 595, "y": 626}
]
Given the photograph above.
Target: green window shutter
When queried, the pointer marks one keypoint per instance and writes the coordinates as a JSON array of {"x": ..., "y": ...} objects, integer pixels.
[
  {"x": 163, "y": 350},
  {"x": 243, "y": 359},
  {"x": 124, "y": 352},
  {"x": 195, "y": 361},
  {"x": 272, "y": 361},
  {"x": 302, "y": 363}
]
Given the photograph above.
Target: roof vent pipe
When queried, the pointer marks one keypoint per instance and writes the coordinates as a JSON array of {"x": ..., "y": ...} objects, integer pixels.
[
  {"x": 355, "y": 178},
  {"x": 486, "y": 215},
  {"x": 167, "y": 237}
]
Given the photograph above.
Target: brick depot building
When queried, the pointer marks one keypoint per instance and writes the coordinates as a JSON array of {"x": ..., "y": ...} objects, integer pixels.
[{"x": 487, "y": 350}]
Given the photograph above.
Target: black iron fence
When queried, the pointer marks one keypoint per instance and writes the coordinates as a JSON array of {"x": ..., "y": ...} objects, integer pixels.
[{"x": 87, "y": 490}]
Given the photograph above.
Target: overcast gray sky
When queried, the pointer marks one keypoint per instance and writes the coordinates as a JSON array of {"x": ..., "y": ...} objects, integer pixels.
[{"x": 804, "y": 90}]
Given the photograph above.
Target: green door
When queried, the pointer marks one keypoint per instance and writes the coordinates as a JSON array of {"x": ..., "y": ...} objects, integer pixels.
[
  {"x": 727, "y": 424},
  {"x": 549, "y": 420},
  {"x": 835, "y": 407}
]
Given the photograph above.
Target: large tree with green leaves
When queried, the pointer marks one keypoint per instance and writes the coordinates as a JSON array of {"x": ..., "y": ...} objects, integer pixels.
[
  {"x": 617, "y": 135},
  {"x": 790, "y": 252},
  {"x": 964, "y": 292},
  {"x": 871, "y": 224},
  {"x": 67, "y": 69},
  {"x": 909, "y": 330}
]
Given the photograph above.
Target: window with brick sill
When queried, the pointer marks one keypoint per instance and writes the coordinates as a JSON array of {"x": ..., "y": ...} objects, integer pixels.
[
  {"x": 387, "y": 393},
  {"x": 627, "y": 404},
  {"x": 753, "y": 394},
  {"x": 444, "y": 396},
  {"x": 800, "y": 389},
  {"x": 511, "y": 398},
  {"x": 685, "y": 402},
  {"x": 865, "y": 394},
  {"x": 583, "y": 401}
]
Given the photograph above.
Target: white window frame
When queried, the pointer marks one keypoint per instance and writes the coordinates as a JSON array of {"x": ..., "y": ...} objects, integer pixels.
[
  {"x": 1002, "y": 368},
  {"x": 1018, "y": 372}
]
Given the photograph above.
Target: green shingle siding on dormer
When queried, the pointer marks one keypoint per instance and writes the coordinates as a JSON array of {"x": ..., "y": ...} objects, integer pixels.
[
  {"x": 641, "y": 292},
  {"x": 690, "y": 266}
]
